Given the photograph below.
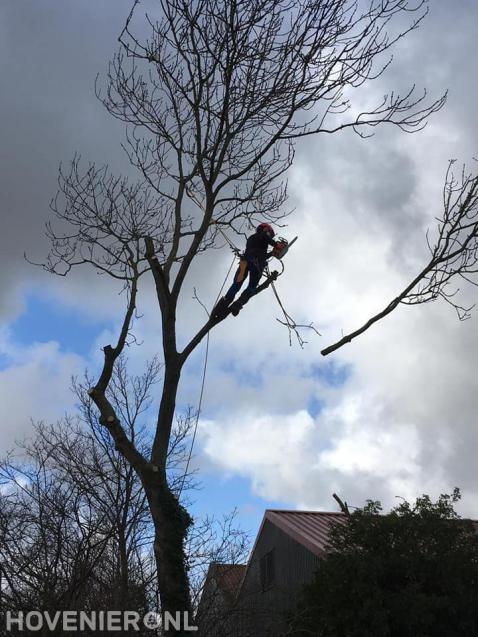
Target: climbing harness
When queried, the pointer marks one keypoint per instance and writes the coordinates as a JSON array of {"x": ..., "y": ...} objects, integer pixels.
[{"x": 279, "y": 251}]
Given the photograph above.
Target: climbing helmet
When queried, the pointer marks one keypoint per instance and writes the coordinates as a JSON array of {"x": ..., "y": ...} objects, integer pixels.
[{"x": 267, "y": 228}]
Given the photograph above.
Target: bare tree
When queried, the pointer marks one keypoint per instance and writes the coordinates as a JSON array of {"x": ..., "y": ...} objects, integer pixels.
[
  {"x": 214, "y": 100},
  {"x": 52, "y": 538},
  {"x": 75, "y": 530},
  {"x": 453, "y": 255},
  {"x": 214, "y": 541}
]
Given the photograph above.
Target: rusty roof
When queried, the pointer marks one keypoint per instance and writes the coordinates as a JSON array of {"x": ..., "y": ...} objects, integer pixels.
[
  {"x": 309, "y": 528},
  {"x": 228, "y": 577}
]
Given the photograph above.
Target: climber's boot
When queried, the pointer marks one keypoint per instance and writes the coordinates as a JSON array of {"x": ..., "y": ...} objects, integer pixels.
[
  {"x": 220, "y": 309},
  {"x": 235, "y": 308}
]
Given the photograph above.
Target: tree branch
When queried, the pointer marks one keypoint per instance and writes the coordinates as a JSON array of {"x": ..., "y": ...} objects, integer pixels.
[
  {"x": 454, "y": 255},
  {"x": 213, "y": 321},
  {"x": 108, "y": 417}
]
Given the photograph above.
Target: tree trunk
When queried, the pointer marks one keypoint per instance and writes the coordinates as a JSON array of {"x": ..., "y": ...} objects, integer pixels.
[
  {"x": 172, "y": 375},
  {"x": 123, "y": 571},
  {"x": 171, "y": 523},
  {"x": 171, "y": 520}
]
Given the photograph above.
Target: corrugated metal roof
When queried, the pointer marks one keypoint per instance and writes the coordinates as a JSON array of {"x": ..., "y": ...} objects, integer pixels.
[{"x": 309, "y": 528}]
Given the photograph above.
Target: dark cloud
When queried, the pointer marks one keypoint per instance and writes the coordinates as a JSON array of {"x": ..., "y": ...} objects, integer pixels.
[
  {"x": 393, "y": 180},
  {"x": 50, "y": 54}
]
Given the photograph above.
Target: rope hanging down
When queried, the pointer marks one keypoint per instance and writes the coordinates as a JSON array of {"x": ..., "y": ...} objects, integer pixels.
[
  {"x": 203, "y": 382},
  {"x": 234, "y": 248},
  {"x": 289, "y": 322},
  {"x": 292, "y": 327}
]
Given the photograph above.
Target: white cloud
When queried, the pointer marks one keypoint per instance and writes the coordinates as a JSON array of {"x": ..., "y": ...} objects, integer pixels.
[
  {"x": 267, "y": 449},
  {"x": 34, "y": 386}
]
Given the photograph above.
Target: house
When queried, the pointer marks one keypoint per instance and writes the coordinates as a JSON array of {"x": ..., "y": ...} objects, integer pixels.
[
  {"x": 252, "y": 600},
  {"x": 217, "y": 608}
]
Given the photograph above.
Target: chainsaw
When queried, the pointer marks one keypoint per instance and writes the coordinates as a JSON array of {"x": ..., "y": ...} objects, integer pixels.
[{"x": 282, "y": 247}]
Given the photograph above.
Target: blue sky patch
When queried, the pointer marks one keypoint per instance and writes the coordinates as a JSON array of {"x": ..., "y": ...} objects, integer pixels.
[
  {"x": 245, "y": 376},
  {"x": 220, "y": 496},
  {"x": 333, "y": 374},
  {"x": 4, "y": 362},
  {"x": 314, "y": 406},
  {"x": 45, "y": 320}
]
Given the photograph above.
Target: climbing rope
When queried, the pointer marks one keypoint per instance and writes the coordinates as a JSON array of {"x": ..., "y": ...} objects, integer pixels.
[
  {"x": 234, "y": 248},
  {"x": 289, "y": 321},
  {"x": 203, "y": 382}
]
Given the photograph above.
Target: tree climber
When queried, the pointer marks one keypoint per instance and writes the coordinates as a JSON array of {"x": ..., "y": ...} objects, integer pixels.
[{"x": 252, "y": 263}]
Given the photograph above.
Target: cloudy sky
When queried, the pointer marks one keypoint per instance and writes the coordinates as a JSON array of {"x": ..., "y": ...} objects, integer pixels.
[{"x": 392, "y": 414}]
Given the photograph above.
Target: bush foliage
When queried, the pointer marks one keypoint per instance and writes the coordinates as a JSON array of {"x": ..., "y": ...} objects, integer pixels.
[{"x": 410, "y": 573}]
